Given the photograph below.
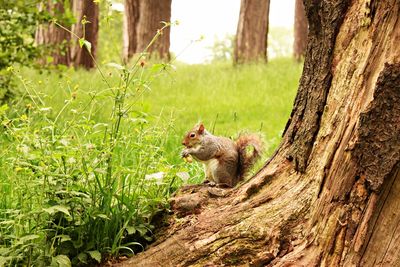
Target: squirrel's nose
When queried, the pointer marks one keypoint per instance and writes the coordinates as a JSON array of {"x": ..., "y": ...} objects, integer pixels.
[{"x": 183, "y": 143}]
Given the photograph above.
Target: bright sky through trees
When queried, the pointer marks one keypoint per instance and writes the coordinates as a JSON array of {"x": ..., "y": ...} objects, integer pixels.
[{"x": 214, "y": 19}]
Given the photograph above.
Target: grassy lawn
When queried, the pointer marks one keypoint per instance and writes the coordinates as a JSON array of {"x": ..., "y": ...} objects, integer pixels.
[{"x": 227, "y": 99}]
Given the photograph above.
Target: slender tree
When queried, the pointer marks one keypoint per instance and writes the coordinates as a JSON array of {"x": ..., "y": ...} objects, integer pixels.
[
  {"x": 56, "y": 39},
  {"x": 131, "y": 19},
  {"x": 329, "y": 195},
  {"x": 86, "y": 11},
  {"x": 300, "y": 31},
  {"x": 252, "y": 31},
  {"x": 142, "y": 20}
]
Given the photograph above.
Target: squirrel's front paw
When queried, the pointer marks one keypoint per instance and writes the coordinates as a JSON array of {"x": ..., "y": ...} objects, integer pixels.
[{"x": 185, "y": 153}]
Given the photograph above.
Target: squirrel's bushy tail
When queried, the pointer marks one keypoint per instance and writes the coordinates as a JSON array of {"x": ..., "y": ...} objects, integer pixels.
[{"x": 250, "y": 148}]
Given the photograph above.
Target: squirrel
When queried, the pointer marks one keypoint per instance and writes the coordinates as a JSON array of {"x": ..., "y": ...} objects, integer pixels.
[{"x": 226, "y": 162}]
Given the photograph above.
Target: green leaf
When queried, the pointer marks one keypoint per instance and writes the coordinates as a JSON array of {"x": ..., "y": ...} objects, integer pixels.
[
  {"x": 85, "y": 43},
  {"x": 142, "y": 230},
  {"x": 130, "y": 244},
  {"x": 81, "y": 42},
  {"x": 82, "y": 257},
  {"x": 49, "y": 59},
  {"x": 64, "y": 238},
  {"x": 115, "y": 65},
  {"x": 61, "y": 261},
  {"x": 131, "y": 230},
  {"x": 4, "y": 251},
  {"x": 88, "y": 45},
  {"x": 102, "y": 216},
  {"x": 158, "y": 67},
  {"x": 3, "y": 109},
  {"x": 26, "y": 238},
  {"x": 7, "y": 222},
  {"x": 148, "y": 238},
  {"x": 95, "y": 255},
  {"x": 57, "y": 208},
  {"x": 3, "y": 261}
]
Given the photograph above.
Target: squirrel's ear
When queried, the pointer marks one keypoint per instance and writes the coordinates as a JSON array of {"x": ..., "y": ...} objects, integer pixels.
[{"x": 201, "y": 128}]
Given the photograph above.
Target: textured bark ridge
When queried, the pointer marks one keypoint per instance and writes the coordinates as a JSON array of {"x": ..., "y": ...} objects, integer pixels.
[
  {"x": 376, "y": 140},
  {"x": 342, "y": 208},
  {"x": 252, "y": 31},
  {"x": 325, "y": 19}
]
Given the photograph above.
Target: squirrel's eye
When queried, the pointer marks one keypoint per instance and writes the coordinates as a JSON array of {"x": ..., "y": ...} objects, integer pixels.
[{"x": 192, "y": 135}]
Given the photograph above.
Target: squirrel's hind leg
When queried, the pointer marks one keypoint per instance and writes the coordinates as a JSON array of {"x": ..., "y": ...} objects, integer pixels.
[{"x": 224, "y": 178}]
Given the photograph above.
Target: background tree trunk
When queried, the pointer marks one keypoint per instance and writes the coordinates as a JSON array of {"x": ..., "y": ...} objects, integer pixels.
[
  {"x": 151, "y": 15},
  {"x": 89, "y": 10},
  {"x": 252, "y": 31},
  {"x": 53, "y": 37},
  {"x": 300, "y": 31},
  {"x": 330, "y": 194},
  {"x": 131, "y": 19}
]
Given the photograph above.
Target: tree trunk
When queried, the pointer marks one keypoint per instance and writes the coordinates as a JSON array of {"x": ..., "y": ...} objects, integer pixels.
[
  {"x": 151, "y": 15},
  {"x": 330, "y": 194},
  {"x": 56, "y": 39},
  {"x": 300, "y": 31},
  {"x": 89, "y": 10},
  {"x": 131, "y": 19},
  {"x": 252, "y": 31}
]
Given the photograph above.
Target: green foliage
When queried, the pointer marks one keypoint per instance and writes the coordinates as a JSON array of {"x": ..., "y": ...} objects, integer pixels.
[
  {"x": 76, "y": 187},
  {"x": 17, "y": 27},
  {"x": 18, "y": 22},
  {"x": 256, "y": 98},
  {"x": 110, "y": 37}
]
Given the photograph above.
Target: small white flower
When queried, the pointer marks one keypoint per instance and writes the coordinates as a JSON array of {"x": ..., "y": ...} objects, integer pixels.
[
  {"x": 24, "y": 149},
  {"x": 48, "y": 109},
  {"x": 64, "y": 142},
  {"x": 90, "y": 146},
  {"x": 100, "y": 170},
  {"x": 71, "y": 160},
  {"x": 157, "y": 177},
  {"x": 183, "y": 175},
  {"x": 91, "y": 176}
]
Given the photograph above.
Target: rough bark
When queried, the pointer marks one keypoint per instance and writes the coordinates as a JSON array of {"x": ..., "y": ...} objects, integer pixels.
[
  {"x": 329, "y": 196},
  {"x": 53, "y": 37},
  {"x": 300, "y": 31},
  {"x": 252, "y": 31},
  {"x": 151, "y": 15},
  {"x": 131, "y": 19},
  {"x": 89, "y": 10}
]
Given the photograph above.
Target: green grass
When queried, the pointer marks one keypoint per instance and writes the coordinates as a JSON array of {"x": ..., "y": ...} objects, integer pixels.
[{"x": 254, "y": 98}]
